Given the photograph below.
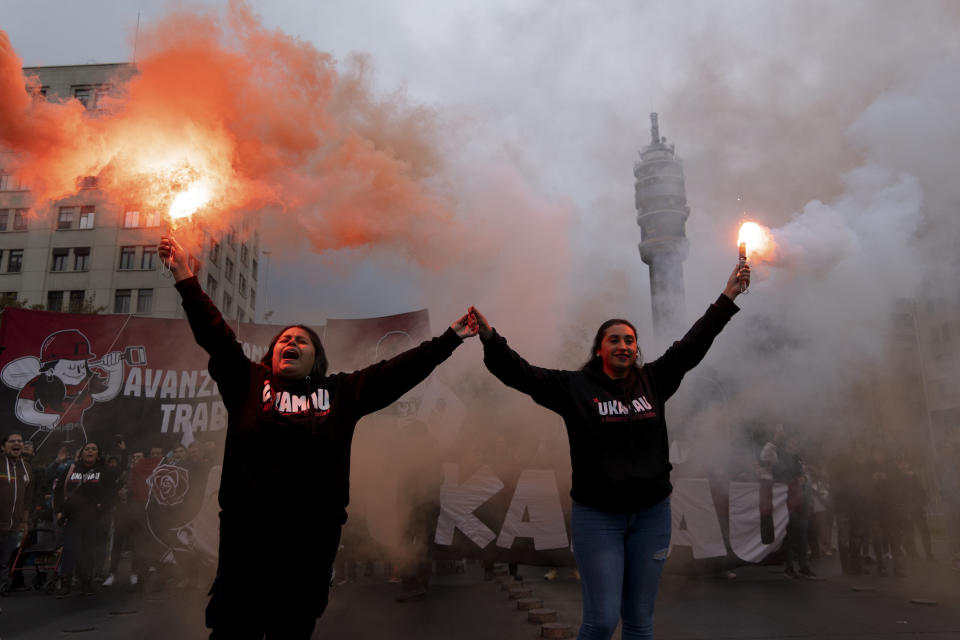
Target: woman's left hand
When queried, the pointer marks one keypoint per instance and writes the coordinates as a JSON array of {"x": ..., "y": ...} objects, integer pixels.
[
  {"x": 740, "y": 274},
  {"x": 466, "y": 327}
]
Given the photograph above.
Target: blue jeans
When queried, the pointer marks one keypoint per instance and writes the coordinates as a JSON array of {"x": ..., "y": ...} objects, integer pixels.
[{"x": 620, "y": 557}]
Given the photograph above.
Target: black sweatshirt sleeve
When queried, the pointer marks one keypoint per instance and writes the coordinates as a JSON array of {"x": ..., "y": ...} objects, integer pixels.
[
  {"x": 545, "y": 386},
  {"x": 229, "y": 367},
  {"x": 108, "y": 492},
  {"x": 668, "y": 370},
  {"x": 375, "y": 387}
]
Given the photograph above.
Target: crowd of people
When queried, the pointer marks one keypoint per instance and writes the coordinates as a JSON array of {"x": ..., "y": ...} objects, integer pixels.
[
  {"x": 93, "y": 504},
  {"x": 865, "y": 503}
]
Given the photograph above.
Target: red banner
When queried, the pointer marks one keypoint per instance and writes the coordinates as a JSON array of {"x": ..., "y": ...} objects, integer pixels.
[{"x": 70, "y": 378}]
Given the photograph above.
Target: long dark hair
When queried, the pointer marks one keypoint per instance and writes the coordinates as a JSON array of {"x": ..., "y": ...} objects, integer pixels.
[
  {"x": 320, "y": 361},
  {"x": 595, "y": 364}
]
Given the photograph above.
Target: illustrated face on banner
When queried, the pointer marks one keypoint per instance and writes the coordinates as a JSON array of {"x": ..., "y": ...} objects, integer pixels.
[
  {"x": 66, "y": 378},
  {"x": 70, "y": 371}
]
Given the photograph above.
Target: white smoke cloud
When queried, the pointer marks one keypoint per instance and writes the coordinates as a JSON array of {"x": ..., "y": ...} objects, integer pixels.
[{"x": 833, "y": 121}]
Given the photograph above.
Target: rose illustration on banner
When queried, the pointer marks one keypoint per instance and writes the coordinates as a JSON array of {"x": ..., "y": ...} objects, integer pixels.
[{"x": 169, "y": 484}]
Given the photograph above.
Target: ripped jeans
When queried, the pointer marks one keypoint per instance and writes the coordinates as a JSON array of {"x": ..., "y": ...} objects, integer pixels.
[{"x": 620, "y": 557}]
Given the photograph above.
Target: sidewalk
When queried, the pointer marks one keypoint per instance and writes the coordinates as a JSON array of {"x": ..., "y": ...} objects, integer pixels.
[{"x": 760, "y": 602}]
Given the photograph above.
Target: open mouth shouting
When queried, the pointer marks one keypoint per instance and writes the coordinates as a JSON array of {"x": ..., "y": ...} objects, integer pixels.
[{"x": 290, "y": 354}]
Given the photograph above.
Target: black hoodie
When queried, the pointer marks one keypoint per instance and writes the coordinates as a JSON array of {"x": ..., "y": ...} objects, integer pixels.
[
  {"x": 619, "y": 448},
  {"x": 85, "y": 492},
  {"x": 287, "y": 451}
]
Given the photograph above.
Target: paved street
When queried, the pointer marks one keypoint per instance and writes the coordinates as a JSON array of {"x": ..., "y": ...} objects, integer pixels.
[{"x": 758, "y": 603}]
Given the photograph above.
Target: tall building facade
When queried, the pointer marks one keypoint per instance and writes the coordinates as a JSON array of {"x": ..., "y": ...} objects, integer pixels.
[
  {"x": 86, "y": 251},
  {"x": 662, "y": 211}
]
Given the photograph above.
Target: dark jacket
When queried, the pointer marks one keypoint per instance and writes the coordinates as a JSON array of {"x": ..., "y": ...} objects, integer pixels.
[
  {"x": 619, "y": 448},
  {"x": 16, "y": 480},
  {"x": 84, "y": 492},
  {"x": 288, "y": 443}
]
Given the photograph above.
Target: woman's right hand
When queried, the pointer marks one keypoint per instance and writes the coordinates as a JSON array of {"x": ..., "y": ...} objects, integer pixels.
[
  {"x": 485, "y": 331},
  {"x": 173, "y": 254}
]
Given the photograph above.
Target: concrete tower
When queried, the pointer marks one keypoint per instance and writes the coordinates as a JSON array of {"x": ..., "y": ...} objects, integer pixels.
[{"x": 661, "y": 201}]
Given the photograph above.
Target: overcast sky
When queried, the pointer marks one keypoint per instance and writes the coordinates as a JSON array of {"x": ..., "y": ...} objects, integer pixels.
[{"x": 770, "y": 102}]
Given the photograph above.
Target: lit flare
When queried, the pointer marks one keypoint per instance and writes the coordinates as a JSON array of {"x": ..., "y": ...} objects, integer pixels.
[
  {"x": 190, "y": 201},
  {"x": 758, "y": 240}
]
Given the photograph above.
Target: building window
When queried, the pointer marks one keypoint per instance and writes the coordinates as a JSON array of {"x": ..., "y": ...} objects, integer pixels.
[
  {"x": 243, "y": 286},
  {"x": 232, "y": 237},
  {"x": 76, "y": 302},
  {"x": 211, "y": 286},
  {"x": 54, "y": 300},
  {"x": 241, "y": 316},
  {"x": 90, "y": 96},
  {"x": 81, "y": 258},
  {"x": 84, "y": 96},
  {"x": 59, "y": 260},
  {"x": 20, "y": 220},
  {"x": 227, "y": 303},
  {"x": 10, "y": 182},
  {"x": 121, "y": 301},
  {"x": 214, "y": 251},
  {"x": 244, "y": 254},
  {"x": 7, "y": 298},
  {"x": 15, "y": 261},
  {"x": 87, "y": 215},
  {"x": 135, "y": 219},
  {"x": 127, "y": 255},
  {"x": 253, "y": 298},
  {"x": 4, "y": 219},
  {"x": 144, "y": 300},
  {"x": 148, "y": 261},
  {"x": 65, "y": 219},
  {"x": 253, "y": 269},
  {"x": 228, "y": 269}
]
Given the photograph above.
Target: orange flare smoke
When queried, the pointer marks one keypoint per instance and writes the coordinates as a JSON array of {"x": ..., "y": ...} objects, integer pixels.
[{"x": 223, "y": 116}]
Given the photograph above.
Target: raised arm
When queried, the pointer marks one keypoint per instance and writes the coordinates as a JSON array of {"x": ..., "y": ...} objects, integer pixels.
[
  {"x": 209, "y": 328},
  {"x": 668, "y": 370},
  {"x": 375, "y": 387},
  {"x": 545, "y": 386}
]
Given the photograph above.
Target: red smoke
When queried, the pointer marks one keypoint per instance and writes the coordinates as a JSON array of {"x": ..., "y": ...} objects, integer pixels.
[{"x": 266, "y": 119}]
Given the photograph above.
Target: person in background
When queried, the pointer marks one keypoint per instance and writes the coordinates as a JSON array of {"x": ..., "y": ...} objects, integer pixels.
[
  {"x": 146, "y": 550},
  {"x": 16, "y": 488},
  {"x": 55, "y": 469},
  {"x": 790, "y": 471},
  {"x": 950, "y": 493},
  {"x": 83, "y": 498},
  {"x": 419, "y": 500},
  {"x": 769, "y": 458},
  {"x": 820, "y": 536},
  {"x": 124, "y": 521},
  {"x": 885, "y": 505},
  {"x": 916, "y": 501}
]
